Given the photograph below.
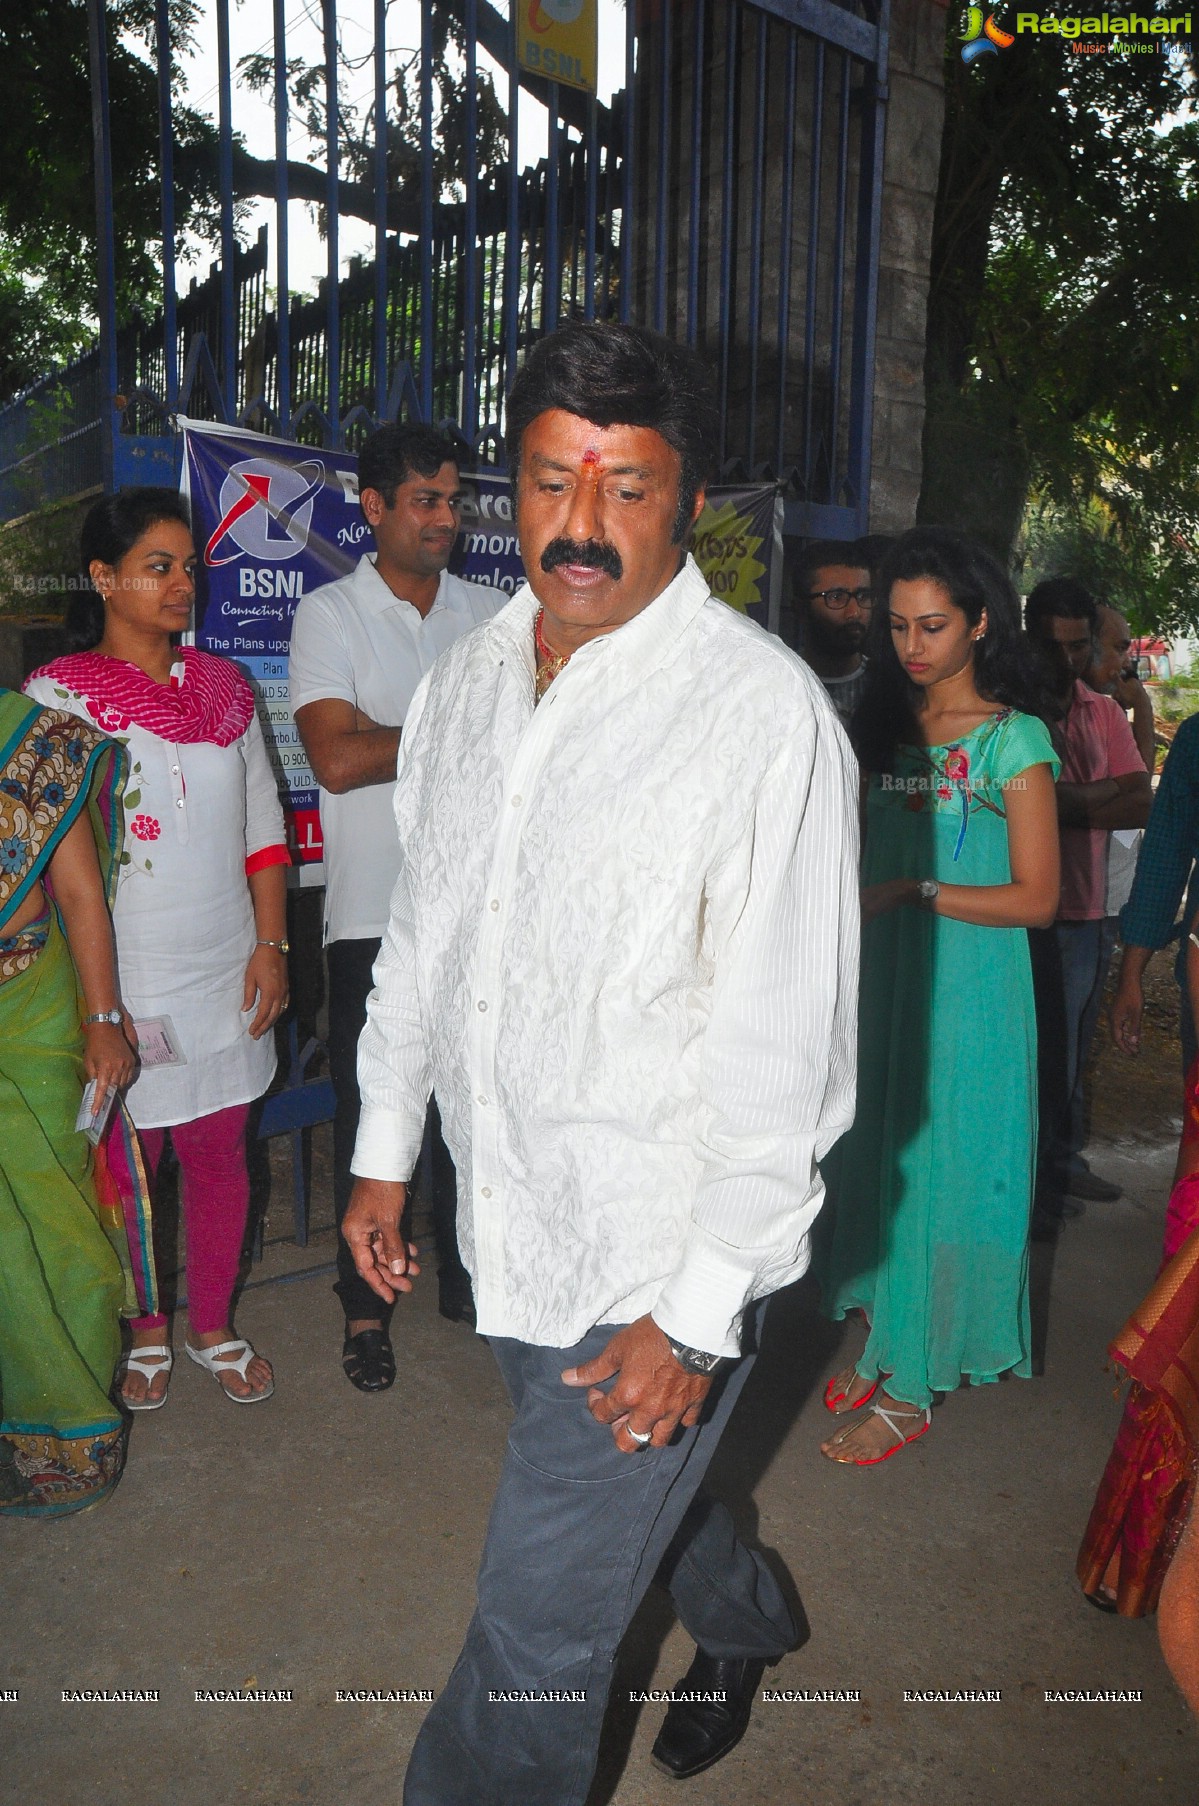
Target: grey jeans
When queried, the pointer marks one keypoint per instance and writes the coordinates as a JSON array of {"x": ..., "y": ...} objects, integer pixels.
[
  {"x": 1069, "y": 965},
  {"x": 577, "y": 1532}
]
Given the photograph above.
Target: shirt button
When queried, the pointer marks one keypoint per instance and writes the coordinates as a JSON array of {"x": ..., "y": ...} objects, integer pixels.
[
  {"x": 494, "y": 904},
  {"x": 517, "y": 801},
  {"x": 481, "y": 1099},
  {"x": 485, "y": 1191},
  {"x": 482, "y": 1007},
  {"x": 174, "y": 771},
  {"x": 178, "y": 802}
]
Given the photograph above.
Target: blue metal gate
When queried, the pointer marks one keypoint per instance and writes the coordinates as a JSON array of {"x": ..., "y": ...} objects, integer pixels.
[{"x": 730, "y": 194}]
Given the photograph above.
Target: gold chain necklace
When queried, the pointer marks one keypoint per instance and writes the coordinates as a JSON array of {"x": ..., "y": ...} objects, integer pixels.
[{"x": 549, "y": 664}]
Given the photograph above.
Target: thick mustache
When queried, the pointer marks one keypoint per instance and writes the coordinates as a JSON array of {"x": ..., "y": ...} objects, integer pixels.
[{"x": 595, "y": 553}]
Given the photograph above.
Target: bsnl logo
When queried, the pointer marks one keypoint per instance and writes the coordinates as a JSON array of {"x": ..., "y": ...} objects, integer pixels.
[
  {"x": 266, "y": 510},
  {"x": 555, "y": 64}
]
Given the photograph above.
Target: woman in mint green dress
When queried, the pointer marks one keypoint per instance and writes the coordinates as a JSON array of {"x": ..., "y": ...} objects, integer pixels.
[{"x": 931, "y": 1189}]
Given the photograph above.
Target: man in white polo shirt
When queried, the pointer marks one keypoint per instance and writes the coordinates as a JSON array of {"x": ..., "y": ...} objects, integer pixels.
[{"x": 359, "y": 648}]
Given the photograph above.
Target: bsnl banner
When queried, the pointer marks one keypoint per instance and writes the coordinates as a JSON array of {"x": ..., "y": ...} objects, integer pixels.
[
  {"x": 560, "y": 40},
  {"x": 273, "y": 521}
]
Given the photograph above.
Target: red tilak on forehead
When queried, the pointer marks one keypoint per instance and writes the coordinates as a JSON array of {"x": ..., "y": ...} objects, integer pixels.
[{"x": 591, "y": 456}]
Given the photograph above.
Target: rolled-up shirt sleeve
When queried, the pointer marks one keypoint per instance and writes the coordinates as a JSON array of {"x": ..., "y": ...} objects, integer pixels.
[
  {"x": 779, "y": 1059},
  {"x": 266, "y": 840}
]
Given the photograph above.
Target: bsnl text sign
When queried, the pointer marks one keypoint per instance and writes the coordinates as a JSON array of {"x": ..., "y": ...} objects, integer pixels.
[{"x": 559, "y": 39}]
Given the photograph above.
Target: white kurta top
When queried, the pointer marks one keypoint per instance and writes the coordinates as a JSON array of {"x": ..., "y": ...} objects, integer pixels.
[
  {"x": 356, "y": 641},
  {"x": 623, "y": 946},
  {"x": 183, "y": 917}
]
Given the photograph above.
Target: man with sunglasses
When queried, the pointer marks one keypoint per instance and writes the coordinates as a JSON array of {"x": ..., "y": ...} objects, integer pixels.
[{"x": 835, "y": 600}]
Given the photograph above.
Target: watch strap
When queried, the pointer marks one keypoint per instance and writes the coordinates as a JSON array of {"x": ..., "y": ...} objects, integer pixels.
[{"x": 695, "y": 1360}]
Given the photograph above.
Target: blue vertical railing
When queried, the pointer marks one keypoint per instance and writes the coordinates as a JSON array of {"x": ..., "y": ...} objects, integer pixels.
[
  {"x": 106, "y": 265},
  {"x": 166, "y": 157},
  {"x": 695, "y": 189},
  {"x": 380, "y": 177},
  {"x": 332, "y": 216},
  {"x": 470, "y": 296},
  {"x": 282, "y": 198},
  {"x": 228, "y": 347},
  {"x": 731, "y": 194},
  {"x": 786, "y": 192}
]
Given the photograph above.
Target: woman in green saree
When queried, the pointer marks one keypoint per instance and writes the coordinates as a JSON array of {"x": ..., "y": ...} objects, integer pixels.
[{"x": 61, "y": 1280}]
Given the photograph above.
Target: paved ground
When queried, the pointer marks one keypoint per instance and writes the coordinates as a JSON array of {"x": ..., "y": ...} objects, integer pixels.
[{"x": 327, "y": 1540}]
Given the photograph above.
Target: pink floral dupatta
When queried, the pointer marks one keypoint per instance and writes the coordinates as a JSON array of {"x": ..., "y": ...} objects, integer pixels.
[{"x": 213, "y": 703}]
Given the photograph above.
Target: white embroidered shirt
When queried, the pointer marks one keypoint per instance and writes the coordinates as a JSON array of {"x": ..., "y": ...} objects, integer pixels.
[{"x": 623, "y": 949}]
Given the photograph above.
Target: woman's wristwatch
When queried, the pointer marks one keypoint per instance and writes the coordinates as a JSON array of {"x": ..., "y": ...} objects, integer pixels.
[
  {"x": 929, "y": 890},
  {"x": 116, "y": 1017},
  {"x": 283, "y": 947}
]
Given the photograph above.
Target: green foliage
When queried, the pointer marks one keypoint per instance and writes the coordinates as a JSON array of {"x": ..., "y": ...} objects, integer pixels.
[
  {"x": 47, "y": 199},
  {"x": 1063, "y": 363},
  {"x": 356, "y": 131},
  {"x": 1177, "y": 700},
  {"x": 39, "y": 560},
  {"x": 1143, "y": 561}
]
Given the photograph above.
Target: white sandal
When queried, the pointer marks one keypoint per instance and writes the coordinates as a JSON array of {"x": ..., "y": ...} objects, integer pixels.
[
  {"x": 889, "y": 1417},
  {"x": 207, "y": 1358},
  {"x": 136, "y": 1361}
]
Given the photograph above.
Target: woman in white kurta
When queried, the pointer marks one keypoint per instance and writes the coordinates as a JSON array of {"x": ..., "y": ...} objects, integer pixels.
[{"x": 200, "y": 912}]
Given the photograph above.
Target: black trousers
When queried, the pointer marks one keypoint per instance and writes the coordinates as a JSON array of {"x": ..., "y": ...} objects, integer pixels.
[{"x": 350, "y": 965}]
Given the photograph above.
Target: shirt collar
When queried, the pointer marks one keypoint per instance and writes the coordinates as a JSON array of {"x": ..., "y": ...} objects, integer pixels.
[
  {"x": 639, "y": 646},
  {"x": 376, "y": 596}
]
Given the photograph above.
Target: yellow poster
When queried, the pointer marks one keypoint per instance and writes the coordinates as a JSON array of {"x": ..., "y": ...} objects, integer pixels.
[
  {"x": 733, "y": 545},
  {"x": 559, "y": 39}
]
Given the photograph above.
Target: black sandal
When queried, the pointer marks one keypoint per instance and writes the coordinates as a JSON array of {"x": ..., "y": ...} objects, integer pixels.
[{"x": 369, "y": 1361}]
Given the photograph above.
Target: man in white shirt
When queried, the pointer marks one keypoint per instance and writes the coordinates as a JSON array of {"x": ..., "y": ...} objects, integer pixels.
[
  {"x": 360, "y": 646},
  {"x": 623, "y": 949}
]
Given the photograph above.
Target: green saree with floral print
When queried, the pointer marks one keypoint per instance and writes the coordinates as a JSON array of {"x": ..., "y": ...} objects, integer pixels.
[{"x": 61, "y": 1282}]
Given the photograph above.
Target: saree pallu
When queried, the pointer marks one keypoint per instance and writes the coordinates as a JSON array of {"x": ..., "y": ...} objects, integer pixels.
[
  {"x": 61, "y": 1282},
  {"x": 1145, "y": 1494}
]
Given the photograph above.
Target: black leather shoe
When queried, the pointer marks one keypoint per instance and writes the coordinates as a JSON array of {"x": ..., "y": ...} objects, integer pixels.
[
  {"x": 455, "y": 1299},
  {"x": 699, "y": 1730},
  {"x": 369, "y": 1361},
  {"x": 1086, "y": 1184}
]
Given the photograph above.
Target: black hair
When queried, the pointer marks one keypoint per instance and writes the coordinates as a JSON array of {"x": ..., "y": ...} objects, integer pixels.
[
  {"x": 1065, "y": 597},
  {"x": 1005, "y": 667},
  {"x": 617, "y": 375},
  {"x": 873, "y": 550},
  {"x": 393, "y": 454},
  {"x": 819, "y": 553},
  {"x": 111, "y": 527}
]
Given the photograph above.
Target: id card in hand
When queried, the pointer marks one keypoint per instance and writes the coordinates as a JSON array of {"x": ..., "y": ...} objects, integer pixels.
[{"x": 90, "y": 1121}]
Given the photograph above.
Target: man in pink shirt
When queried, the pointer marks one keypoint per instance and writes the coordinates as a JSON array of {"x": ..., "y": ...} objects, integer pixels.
[{"x": 1103, "y": 785}]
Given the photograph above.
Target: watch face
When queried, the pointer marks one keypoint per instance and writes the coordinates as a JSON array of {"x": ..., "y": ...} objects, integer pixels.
[{"x": 695, "y": 1360}]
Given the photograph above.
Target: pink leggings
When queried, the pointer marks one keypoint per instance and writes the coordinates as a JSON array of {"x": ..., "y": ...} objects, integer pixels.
[{"x": 211, "y": 1152}]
